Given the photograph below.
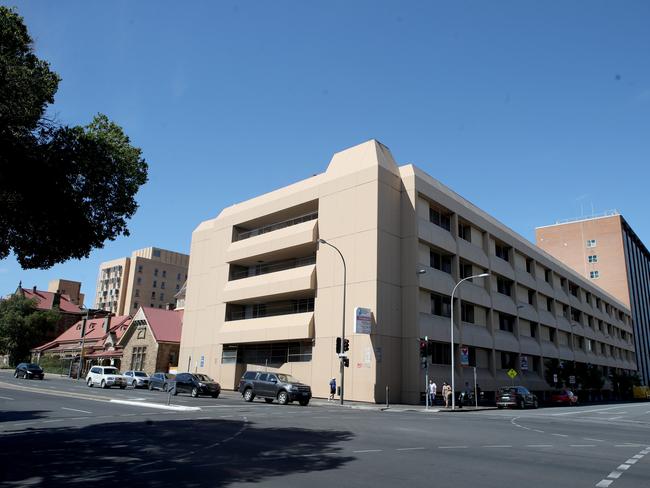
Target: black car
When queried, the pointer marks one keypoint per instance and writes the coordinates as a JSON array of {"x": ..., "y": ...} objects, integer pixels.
[
  {"x": 196, "y": 384},
  {"x": 283, "y": 387},
  {"x": 161, "y": 381},
  {"x": 516, "y": 396},
  {"x": 29, "y": 370}
]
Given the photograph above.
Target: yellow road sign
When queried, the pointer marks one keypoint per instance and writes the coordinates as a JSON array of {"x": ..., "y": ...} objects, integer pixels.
[{"x": 512, "y": 373}]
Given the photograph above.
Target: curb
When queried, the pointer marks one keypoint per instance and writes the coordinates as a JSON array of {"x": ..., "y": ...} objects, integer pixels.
[{"x": 178, "y": 408}]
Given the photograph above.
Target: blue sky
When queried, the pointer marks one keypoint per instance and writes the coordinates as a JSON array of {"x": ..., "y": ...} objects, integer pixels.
[{"x": 542, "y": 103}]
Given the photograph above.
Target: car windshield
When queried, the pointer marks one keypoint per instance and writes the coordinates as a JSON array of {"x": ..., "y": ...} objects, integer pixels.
[
  {"x": 203, "y": 377},
  {"x": 111, "y": 371},
  {"x": 33, "y": 366},
  {"x": 287, "y": 378},
  {"x": 505, "y": 391},
  {"x": 170, "y": 376},
  {"x": 140, "y": 373}
]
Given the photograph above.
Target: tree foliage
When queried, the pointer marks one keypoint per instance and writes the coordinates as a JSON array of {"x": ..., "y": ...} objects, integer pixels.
[
  {"x": 22, "y": 327},
  {"x": 63, "y": 190}
]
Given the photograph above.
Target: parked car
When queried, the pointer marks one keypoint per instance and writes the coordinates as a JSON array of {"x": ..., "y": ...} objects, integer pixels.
[
  {"x": 137, "y": 379},
  {"x": 564, "y": 397},
  {"x": 516, "y": 396},
  {"x": 270, "y": 386},
  {"x": 105, "y": 376},
  {"x": 196, "y": 384},
  {"x": 161, "y": 381},
  {"x": 29, "y": 371}
]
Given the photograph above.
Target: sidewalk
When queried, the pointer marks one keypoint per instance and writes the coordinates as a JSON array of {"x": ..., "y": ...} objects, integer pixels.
[{"x": 319, "y": 402}]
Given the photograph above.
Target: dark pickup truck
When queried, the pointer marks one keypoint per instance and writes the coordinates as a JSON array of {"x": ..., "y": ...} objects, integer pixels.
[{"x": 271, "y": 386}]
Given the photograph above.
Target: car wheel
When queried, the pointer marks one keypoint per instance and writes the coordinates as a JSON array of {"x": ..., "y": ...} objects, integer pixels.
[
  {"x": 15, "y": 374},
  {"x": 535, "y": 404},
  {"x": 175, "y": 392},
  {"x": 283, "y": 398},
  {"x": 103, "y": 384},
  {"x": 268, "y": 400},
  {"x": 195, "y": 392},
  {"x": 304, "y": 403},
  {"x": 248, "y": 395},
  {"x": 216, "y": 395},
  {"x": 89, "y": 382},
  {"x": 522, "y": 405},
  {"x": 150, "y": 386},
  {"x": 165, "y": 387},
  {"x": 134, "y": 384}
]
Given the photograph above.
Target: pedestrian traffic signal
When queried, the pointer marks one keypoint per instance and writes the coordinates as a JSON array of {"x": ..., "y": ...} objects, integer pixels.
[
  {"x": 346, "y": 345},
  {"x": 346, "y": 362},
  {"x": 423, "y": 348},
  {"x": 338, "y": 345}
]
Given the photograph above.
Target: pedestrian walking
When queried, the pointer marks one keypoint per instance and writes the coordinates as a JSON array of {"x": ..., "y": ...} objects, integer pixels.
[
  {"x": 433, "y": 389},
  {"x": 446, "y": 393},
  {"x": 332, "y": 389}
]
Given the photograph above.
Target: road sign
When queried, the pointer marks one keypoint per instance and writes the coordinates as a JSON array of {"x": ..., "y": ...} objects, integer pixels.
[
  {"x": 362, "y": 320},
  {"x": 512, "y": 373},
  {"x": 572, "y": 380},
  {"x": 554, "y": 378},
  {"x": 523, "y": 363},
  {"x": 464, "y": 356}
]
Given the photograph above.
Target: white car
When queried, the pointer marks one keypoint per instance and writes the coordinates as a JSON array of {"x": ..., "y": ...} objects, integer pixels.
[
  {"x": 105, "y": 376},
  {"x": 137, "y": 379}
]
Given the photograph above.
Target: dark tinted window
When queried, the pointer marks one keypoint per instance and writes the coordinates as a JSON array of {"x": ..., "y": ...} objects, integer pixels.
[
  {"x": 263, "y": 377},
  {"x": 202, "y": 377},
  {"x": 33, "y": 366},
  {"x": 272, "y": 377},
  {"x": 21, "y": 365},
  {"x": 249, "y": 375},
  {"x": 183, "y": 377}
]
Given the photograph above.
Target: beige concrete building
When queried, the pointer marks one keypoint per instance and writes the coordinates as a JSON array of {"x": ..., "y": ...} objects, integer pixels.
[
  {"x": 150, "y": 277},
  {"x": 608, "y": 252},
  {"x": 68, "y": 287},
  {"x": 262, "y": 293}
]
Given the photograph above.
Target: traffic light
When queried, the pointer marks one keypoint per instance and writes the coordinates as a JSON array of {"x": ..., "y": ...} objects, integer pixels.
[
  {"x": 423, "y": 348},
  {"x": 338, "y": 345},
  {"x": 346, "y": 362},
  {"x": 346, "y": 345}
]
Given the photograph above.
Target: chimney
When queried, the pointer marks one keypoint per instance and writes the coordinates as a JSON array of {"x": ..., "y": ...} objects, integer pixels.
[
  {"x": 107, "y": 323},
  {"x": 56, "y": 301},
  {"x": 34, "y": 288}
]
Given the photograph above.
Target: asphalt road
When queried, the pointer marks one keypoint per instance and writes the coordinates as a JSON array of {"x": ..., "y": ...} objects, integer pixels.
[{"x": 58, "y": 432}]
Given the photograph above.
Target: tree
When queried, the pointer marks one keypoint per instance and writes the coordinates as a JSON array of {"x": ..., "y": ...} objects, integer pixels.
[
  {"x": 22, "y": 327},
  {"x": 64, "y": 190}
]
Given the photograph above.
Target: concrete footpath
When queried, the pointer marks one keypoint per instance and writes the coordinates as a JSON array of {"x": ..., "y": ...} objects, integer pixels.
[{"x": 319, "y": 402}]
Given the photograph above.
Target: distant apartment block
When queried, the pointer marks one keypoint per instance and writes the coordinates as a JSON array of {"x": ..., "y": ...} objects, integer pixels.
[
  {"x": 606, "y": 251},
  {"x": 264, "y": 293},
  {"x": 150, "y": 278},
  {"x": 68, "y": 287}
]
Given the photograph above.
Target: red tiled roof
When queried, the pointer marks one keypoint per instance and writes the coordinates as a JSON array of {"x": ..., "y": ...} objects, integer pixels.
[
  {"x": 45, "y": 300},
  {"x": 165, "y": 324},
  {"x": 94, "y": 332}
]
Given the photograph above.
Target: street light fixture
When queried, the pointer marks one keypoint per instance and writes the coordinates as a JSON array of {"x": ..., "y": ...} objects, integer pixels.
[
  {"x": 341, "y": 357},
  {"x": 453, "y": 381}
]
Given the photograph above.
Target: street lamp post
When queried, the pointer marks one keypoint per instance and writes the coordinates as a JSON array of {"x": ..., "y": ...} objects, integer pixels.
[
  {"x": 341, "y": 357},
  {"x": 453, "y": 381}
]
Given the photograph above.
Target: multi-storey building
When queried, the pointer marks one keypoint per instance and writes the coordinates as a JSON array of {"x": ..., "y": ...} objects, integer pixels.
[
  {"x": 68, "y": 287},
  {"x": 150, "y": 277},
  {"x": 608, "y": 252},
  {"x": 262, "y": 292}
]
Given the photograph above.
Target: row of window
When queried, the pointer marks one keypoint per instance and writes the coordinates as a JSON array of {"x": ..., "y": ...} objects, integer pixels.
[
  {"x": 164, "y": 273},
  {"x": 441, "y": 217},
  {"x": 274, "y": 353}
]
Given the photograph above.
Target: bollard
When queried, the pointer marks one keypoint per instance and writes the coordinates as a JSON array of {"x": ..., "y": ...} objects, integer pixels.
[{"x": 387, "y": 393}]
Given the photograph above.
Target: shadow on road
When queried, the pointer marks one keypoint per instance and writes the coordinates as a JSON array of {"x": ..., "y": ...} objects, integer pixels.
[
  {"x": 197, "y": 453},
  {"x": 13, "y": 416}
]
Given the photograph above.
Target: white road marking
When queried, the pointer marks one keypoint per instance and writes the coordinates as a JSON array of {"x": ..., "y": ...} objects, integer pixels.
[
  {"x": 452, "y": 447},
  {"x": 367, "y": 450},
  {"x": 539, "y": 445},
  {"x": 75, "y": 410},
  {"x": 615, "y": 475},
  {"x": 5, "y": 398},
  {"x": 593, "y": 440},
  {"x": 631, "y": 461},
  {"x": 54, "y": 420},
  {"x": 560, "y": 435},
  {"x": 604, "y": 483},
  {"x": 540, "y": 431},
  {"x": 497, "y": 446},
  {"x": 623, "y": 467},
  {"x": 614, "y": 418},
  {"x": 637, "y": 456},
  {"x": 582, "y": 445},
  {"x": 585, "y": 411}
]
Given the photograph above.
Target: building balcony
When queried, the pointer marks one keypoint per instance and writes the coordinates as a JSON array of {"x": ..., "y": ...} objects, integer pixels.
[
  {"x": 437, "y": 281},
  {"x": 289, "y": 327},
  {"x": 439, "y": 237},
  {"x": 474, "y": 293},
  {"x": 272, "y": 285},
  {"x": 294, "y": 236},
  {"x": 502, "y": 267},
  {"x": 529, "y": 346},
  {"x": 473, "y": 253},
  {"x": 525, "y": 278}
]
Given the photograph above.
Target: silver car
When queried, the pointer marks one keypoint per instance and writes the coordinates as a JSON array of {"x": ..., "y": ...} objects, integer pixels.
[{"x": 137, "y": 379}]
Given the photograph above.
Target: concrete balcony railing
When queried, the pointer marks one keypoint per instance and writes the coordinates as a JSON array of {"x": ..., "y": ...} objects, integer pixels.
[
  {"x": 437, "y": 281},
  {"x": 525, "y": 278},
  {"x": 502, "y": 267},
  {"x": 271, "y": 285},
  {"x": 295, "y": 235},
  {"x": 437, "y": 236},
  {"x": 290, "y": 327},
  {"x": 473, "y": 253}
]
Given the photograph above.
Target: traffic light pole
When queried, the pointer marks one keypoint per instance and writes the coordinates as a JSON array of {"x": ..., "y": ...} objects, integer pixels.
[{"x": 341, "y": 357}]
